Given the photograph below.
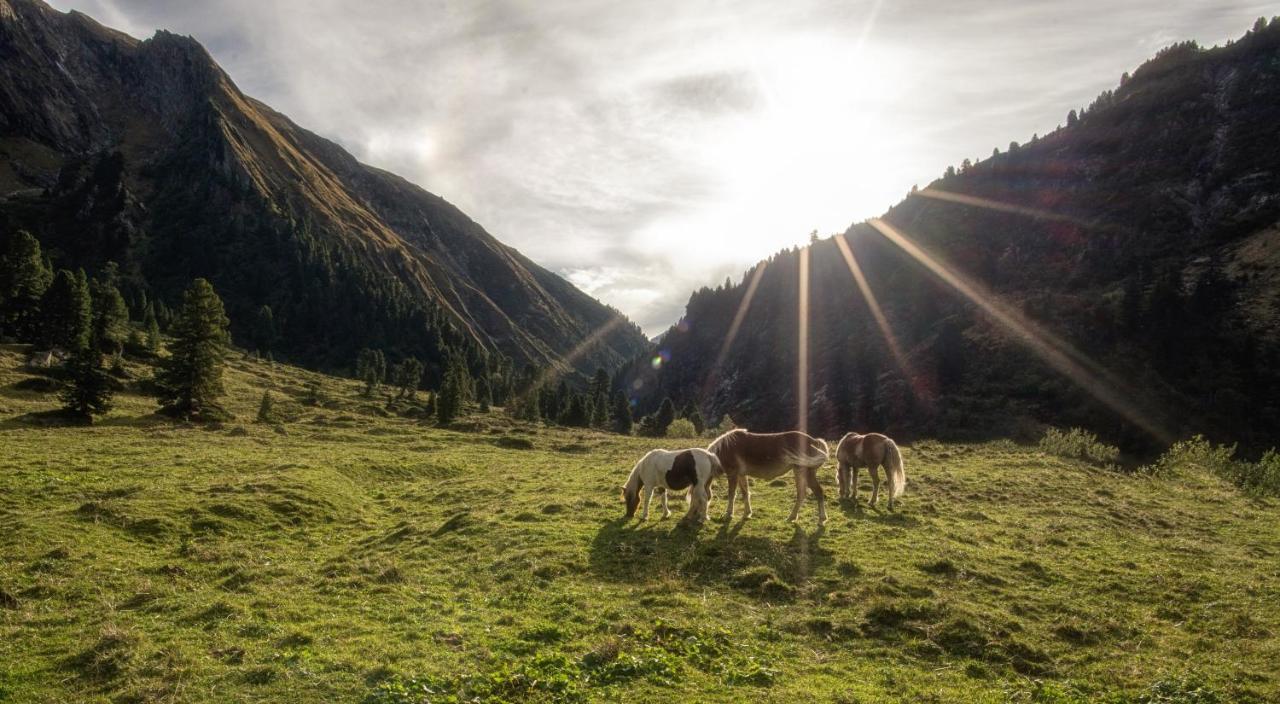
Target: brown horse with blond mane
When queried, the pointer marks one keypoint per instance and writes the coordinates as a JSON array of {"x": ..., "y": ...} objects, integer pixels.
[
  {"x": 768, "y": 456},
  {"x": 871, "y": 451}
]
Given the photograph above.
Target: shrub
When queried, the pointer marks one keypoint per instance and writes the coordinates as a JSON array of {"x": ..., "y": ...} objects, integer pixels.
[
  {"x": 682, "y": 428},
  {"x": 1078, "y": 444},
  {"x": 1193, "y": 453},
  {"x": 1261, "y": 477}
]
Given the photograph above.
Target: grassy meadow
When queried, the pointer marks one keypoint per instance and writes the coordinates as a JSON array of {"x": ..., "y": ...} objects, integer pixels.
[{"x": 344, "y": 555}]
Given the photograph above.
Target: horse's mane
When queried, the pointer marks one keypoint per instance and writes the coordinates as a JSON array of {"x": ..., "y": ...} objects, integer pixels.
[{"x": 725, "y": 439}]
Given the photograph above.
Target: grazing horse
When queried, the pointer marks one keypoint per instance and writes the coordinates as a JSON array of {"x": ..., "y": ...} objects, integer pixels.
[
  {"x": 768, "y": 456},
  {"x": 673, "y": 470},
  {"x": 871, "y": 450}
]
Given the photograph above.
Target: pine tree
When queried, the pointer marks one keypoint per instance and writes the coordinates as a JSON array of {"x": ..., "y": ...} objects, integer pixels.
[
  {"x": 665, "y": 415},
  {"x": 89, "y": 393},
  {"x": 264, "y": 329},
  {"x": 110, "y": 317},
  {"x": 23, "y": 280},
  {"x": 484, "y": 394},
  {"x": 266, "y": 408},
  {"x": 67, "y": 319},
  {"x": 153, "y": 329},
  {"x": 190, "y": 380},
  {"x": 575, "y": 412},
  {"x": 620, "y": 418},
  {"x": 452, "y": 391},
  {"x": 694, "y": 416},
  {"x": 407, "y": 377},
  {"x": 371, "y": 368}
]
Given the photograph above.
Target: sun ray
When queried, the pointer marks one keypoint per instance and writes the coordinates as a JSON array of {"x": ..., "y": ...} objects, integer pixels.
[
  {"x": 1071, "y": 363},
  {"x": 988, "y": 204},
  {"x": 565, "y": 363},
  {"x": 729, "y": 337},
  {"x": 802, "y": 346},
  {"x": 876, "y": 312}
]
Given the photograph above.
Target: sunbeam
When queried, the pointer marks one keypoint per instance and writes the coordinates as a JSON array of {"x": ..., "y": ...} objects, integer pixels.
[
  {"x": 1064, "y": 358},
  {"x": 738, "y": 317},
  {"x": 802, "y": 346},
  {"x": 988, "y": 204},
  {"x": 566, "y": 362},
  {"x": 876, "y": 312}
]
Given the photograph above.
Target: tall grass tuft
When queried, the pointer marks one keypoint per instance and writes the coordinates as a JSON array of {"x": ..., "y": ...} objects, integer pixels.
[
  {"x": 1258, "y": 478},
  {"x": 1079, "y": 444}
]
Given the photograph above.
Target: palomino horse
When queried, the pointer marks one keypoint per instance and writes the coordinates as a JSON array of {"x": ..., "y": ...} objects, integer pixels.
[
  {"x": 871, "y": 451},
  {"x": 768, "y": 456},
  {"x": 673, "y": 470}
]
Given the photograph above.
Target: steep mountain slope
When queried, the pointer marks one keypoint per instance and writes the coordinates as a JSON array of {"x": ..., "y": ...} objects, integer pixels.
[
  {"x": 1124, "y": 273},
  {"x": 145, "y": 153}
]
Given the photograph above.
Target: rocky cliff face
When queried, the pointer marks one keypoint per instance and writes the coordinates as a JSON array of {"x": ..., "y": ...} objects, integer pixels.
[{"x": 145, "y": 153}]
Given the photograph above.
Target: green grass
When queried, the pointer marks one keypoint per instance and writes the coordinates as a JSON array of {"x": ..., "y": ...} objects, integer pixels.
[{"x": 348, "y": 556}]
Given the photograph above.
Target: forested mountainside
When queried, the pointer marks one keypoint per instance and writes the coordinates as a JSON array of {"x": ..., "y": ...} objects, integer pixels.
[
  {"x": 1140, "y": 243},
  {"x": 145, "y": 154}
]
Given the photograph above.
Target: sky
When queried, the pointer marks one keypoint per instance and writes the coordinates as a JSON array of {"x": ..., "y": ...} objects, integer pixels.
[{"x": 645, "y": 149}]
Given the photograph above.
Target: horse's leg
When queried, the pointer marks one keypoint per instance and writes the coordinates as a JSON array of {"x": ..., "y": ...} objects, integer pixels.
[
  {"x": 875, "y": 483},
  {"x": 842, "y": 478},
  {"x": 795, "y": 510},
  {"x": 853, "y": 482},
  {"x": 816, "y": 486},
  {"x": 746, "y": 493},
  {"x": 733, "y": 489},
  {"x": 648, "y": 495},
  {"x": 666, "y": 511}
]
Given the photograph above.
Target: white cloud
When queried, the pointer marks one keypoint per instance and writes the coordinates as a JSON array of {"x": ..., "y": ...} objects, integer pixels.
[{"x": 646, "y": 149}]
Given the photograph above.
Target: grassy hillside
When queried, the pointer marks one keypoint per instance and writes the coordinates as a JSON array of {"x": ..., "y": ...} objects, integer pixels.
[{"x": 346, "y": 556}]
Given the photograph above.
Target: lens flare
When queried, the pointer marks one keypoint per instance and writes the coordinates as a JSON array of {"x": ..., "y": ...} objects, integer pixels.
[
  {"x": 565, "y": 363},
  {"x": 1071, "y": 363}
]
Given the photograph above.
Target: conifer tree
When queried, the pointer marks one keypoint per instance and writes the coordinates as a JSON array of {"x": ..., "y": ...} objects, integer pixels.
[
  {"x": 266, "y": 408},
  {"x": 190, "y": 380},
  {"x": 371, "y": 368},
  {"x": 665, "y": 415},
  {"x": 407, "y": 376},
  {"x": 694, "y": 416},
  {"x": 23, "y": 280},
  {"x": 110, "y": 318},
  {"x": 484, "y": 394},
  {"x": 264, "y": 329},
  {"x": 89, "y": 392},
  {"x": 621, "y": 415},
  {"x": 68, "y": 313},
  {"x": 452, "y": 391},
  {"x": 153, "y": 329},
  {"x": 575, "y": 412}
]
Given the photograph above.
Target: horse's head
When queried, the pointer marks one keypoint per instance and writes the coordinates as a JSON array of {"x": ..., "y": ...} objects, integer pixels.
[{"x": 631, "y": 496}]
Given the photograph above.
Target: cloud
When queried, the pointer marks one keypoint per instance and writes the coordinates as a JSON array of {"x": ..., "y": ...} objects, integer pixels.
[{"x": 647, "y": 149}]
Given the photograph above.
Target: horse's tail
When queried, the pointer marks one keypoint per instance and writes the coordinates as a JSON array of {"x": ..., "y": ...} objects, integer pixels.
[
  {"x": 813, "y": 457},
  {"x": 894, "y": 468}
]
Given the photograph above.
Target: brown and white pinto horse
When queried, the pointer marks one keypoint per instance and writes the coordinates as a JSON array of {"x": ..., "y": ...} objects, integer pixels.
[
  {"x": 673, "y": 470},
  {"x": 871, "y": 451},
  {"x": 768, "y": 456}
]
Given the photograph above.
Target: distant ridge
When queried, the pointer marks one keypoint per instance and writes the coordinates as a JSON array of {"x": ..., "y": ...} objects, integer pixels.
[{"x": 146, "y": 154}]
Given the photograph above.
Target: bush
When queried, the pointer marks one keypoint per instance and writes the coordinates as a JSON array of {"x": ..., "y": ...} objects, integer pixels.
[
  {"x": 1078, "y": 444},
  {"x": 682, "y": 428},
  {"x": 1261, "y": 477}
]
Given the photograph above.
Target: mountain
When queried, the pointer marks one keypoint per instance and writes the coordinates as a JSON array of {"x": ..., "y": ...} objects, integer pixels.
[
  {"x": 144, "y": 153},
  {"x": 1122, "y": 274}
]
